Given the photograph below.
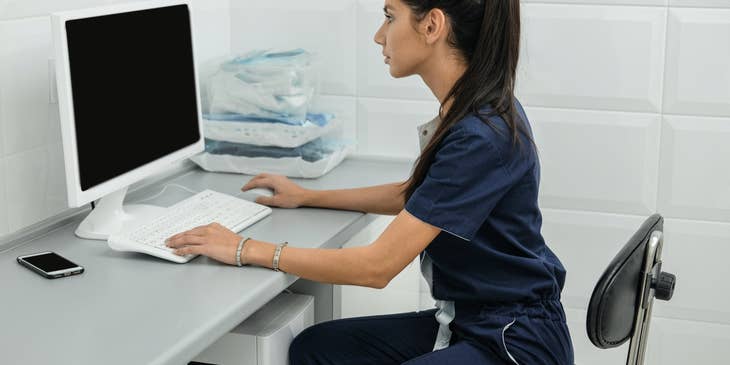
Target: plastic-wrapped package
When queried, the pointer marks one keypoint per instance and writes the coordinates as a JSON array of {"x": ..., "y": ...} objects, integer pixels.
[
  {"x": 257, "y": 119},
  {"x": 265, "y": 133},
  {"x": 265, "y": 84},
  {"x": 310, "y": 160}
]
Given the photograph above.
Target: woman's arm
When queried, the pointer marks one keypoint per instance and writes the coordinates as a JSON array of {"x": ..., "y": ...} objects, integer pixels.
[
  {"x": 373, "y": 265},
  {"x": 382, "y": 199}
]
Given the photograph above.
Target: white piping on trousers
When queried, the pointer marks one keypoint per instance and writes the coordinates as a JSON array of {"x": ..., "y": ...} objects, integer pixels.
[{"x": 505, "y": 344}]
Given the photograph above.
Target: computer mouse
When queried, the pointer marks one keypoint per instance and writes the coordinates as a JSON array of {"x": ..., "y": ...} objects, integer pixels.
[{"x": 260, "y": 192}]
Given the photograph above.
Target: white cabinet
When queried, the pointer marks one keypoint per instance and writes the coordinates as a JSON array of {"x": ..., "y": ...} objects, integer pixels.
[{"x": 265, "y": 336}]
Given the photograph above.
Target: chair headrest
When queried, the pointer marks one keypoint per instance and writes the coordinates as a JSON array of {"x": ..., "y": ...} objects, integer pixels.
[{"x": 612, "y": 307}]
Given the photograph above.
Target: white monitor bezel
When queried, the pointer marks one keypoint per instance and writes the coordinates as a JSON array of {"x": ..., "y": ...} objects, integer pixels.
[{"x": 76, "y": 196}]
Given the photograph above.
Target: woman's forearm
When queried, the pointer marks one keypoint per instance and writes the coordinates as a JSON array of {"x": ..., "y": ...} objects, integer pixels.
[
  {"x": 335, "y": 266},
  {"x": 382, "y": 199},
  {"x": 373, "y": 265}
]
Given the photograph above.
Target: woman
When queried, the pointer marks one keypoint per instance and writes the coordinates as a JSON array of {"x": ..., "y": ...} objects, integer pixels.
[{"x": 469, "y": 209}]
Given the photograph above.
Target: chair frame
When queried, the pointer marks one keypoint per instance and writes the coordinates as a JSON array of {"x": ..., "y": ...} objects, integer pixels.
[{"x": 651, "y": 269}]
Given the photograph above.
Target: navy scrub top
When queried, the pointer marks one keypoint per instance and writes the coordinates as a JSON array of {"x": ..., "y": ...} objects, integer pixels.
[{"x": 482, "y": 193}]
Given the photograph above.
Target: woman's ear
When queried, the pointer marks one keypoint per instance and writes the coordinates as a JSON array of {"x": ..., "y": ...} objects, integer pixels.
[{"x": 434, "y": 26}]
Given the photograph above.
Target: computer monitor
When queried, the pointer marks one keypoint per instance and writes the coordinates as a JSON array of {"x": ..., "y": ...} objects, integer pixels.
[{"x": 128, "y": 101}]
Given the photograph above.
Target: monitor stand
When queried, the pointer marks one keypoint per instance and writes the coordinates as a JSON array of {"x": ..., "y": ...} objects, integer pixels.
[{"x": 110, "y": 216}]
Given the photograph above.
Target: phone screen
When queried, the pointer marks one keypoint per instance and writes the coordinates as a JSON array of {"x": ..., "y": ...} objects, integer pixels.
[{"x": 49, "y": 262}]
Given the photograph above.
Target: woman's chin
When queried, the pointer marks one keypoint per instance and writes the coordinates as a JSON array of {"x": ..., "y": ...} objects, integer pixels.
[{"x": 396, "y": 73}]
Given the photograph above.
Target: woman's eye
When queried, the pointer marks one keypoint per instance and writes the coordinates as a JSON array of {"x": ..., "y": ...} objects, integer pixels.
[{"x": 389, "y": 18}]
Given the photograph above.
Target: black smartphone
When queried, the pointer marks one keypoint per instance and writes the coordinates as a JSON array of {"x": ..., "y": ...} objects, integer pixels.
[{"x": 50, "y": 265}]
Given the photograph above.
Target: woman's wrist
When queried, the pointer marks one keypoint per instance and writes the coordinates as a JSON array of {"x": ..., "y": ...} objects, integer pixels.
[
  {"x": 257, "y": 253},
  {"x": 309, "y": 197}
]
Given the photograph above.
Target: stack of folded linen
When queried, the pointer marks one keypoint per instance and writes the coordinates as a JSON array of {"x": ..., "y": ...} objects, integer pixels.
[{"x": 257, "y": 117}]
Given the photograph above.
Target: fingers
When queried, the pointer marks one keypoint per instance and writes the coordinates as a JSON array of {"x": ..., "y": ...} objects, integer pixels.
[
  {"x": 261, "y": 182},
  {"x": 190, "y": 250},
  {"x": 197, "y": 235},
  {"x": 186, "y": 240},
  {"x": 250, "y": 185},
  {"x": 197, "y": 231},
  {"x": 265, "y": 200}
]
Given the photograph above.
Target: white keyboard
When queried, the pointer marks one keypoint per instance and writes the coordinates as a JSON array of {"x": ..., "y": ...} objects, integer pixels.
[{"x": 203, "y": 208}]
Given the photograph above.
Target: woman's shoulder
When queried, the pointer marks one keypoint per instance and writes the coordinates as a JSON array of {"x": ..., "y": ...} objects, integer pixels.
[
  {"x": 490, "y": 126},
  {"x": 488, "y": 132}
]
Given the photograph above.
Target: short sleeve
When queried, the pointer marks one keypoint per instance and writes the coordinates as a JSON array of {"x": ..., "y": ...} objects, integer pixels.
[{"x": 464, "y": 183}]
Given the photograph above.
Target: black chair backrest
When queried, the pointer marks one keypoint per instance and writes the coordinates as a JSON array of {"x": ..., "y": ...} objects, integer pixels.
[{"x": 614, "y": 301}]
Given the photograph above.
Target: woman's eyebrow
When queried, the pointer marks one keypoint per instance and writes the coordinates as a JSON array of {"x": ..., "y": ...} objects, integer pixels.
[{"x": 387, "y": 8}]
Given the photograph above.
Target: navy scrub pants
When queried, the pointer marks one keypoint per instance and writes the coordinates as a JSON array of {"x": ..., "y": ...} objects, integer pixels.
[{"x": 517, "y": 336}]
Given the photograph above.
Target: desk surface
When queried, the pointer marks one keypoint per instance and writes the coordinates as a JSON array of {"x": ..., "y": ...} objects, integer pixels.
[{"x": 129, "y": 308}]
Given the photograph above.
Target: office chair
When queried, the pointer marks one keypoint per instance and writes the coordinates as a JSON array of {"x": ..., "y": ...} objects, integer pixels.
[{"x": 620, "y": 306}]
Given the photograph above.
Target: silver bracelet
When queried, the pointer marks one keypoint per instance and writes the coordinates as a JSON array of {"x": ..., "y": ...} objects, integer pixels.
[
  {"x": 277, "y": 255},
  {"x": 239, "y": 249}
]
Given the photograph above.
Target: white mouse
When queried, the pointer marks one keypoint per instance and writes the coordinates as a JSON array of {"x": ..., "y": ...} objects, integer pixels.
[{"x": 260, "y": 192}]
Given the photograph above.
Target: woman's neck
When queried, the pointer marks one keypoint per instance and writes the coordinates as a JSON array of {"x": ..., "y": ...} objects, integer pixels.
[{"x": 441, "y": 75}]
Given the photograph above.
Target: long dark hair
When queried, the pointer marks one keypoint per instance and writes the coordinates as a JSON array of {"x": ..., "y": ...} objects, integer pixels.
[{"x": 487, "y": 34}]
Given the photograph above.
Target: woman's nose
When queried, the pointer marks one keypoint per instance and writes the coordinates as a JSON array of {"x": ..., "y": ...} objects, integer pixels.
[{"x": 379, "y": 35}]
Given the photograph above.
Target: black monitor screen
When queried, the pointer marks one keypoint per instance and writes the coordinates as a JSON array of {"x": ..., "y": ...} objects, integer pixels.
[{"x": 133, "y": 87}]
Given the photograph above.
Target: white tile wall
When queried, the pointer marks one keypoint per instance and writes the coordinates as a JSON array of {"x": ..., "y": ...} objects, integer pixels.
[
  {"x": 14, "y": 9},
  {"x": 390, "y": 125},
  {"x": 55, "y": 199},
  {"x": 54, "y": 129},
  {"x": 602, "y": 2},
  {"x": 671, "y": 342},
  {"x": 698, "y": 50},
  {"x": 2, "y": 132},
  {"x": 27, "y": 181},
  {"x": 696, "y": 252},
  {"x": 25, "y": 88},
  {"x": 677, "y": 342},
  {"x": 325, "y": 27},
  {"x": 694, "y": 175},
  {"x": 594, "y": 160},
  {"x": 212, "y": 28},
  {"x": 4, "y": 225},
  {"x": 700, "y": 3},
  {"x": 569, "y": 51},
  {"x": 585, "y": 242}
]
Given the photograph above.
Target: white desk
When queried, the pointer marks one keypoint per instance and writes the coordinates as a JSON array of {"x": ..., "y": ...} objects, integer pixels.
[{"x": 129, "y": 308}]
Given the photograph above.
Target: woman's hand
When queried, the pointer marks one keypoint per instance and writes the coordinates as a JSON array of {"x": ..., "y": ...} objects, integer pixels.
[
  {"x": 287, "y": 194},
  {"x": 212, "y": 240}
]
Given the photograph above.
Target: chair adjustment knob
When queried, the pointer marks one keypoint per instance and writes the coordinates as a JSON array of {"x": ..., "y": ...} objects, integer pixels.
[{"x": 664, "y": 286}]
